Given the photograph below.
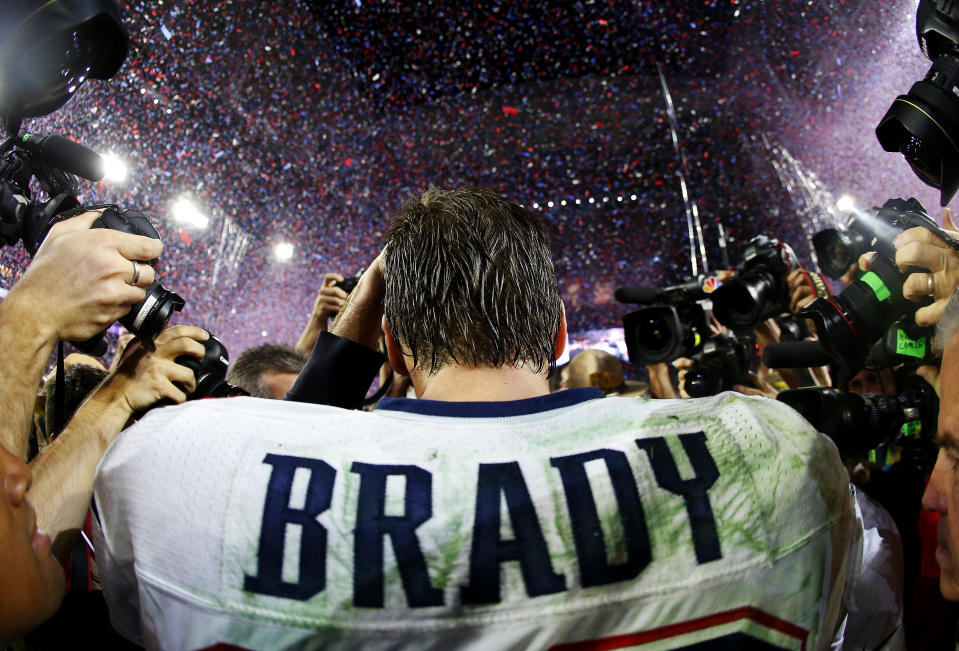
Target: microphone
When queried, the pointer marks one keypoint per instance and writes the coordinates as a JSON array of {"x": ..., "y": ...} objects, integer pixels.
[
  {"x": 637, "y": 294},
  {"x": 66, "y": 154},
  {"x": 796, "y": 354}
]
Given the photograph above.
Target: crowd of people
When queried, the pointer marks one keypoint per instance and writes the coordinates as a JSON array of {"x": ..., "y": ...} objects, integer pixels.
[
  {"x": 255, "y": 522},
  {"x": 416, "y": 469}
]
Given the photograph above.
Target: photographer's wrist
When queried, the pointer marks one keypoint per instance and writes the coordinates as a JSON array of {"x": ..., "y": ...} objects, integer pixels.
[{"x": 35, "y": 324}]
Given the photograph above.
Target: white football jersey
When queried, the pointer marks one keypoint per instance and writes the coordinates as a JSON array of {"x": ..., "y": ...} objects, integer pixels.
[{"x": 566, "y": 521}]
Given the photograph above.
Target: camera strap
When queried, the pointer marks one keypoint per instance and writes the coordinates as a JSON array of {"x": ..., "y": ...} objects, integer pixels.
[{"x": 59, "y": 399}]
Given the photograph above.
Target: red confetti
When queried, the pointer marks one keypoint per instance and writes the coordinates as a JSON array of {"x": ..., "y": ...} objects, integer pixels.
[
  {"x": 185, "y": 236},
  {"x": 509, "y": 110}
]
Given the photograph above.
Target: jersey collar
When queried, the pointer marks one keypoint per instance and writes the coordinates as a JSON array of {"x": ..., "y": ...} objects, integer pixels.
[{"x": 525, "y": 407}]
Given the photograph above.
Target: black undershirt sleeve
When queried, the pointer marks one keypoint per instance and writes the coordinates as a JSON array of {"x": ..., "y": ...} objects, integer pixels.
[{"x": 338, "y": 373}]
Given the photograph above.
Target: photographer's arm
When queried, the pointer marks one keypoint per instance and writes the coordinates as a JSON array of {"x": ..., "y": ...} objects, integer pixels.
[
  {"x": 328, "y": 302},
  {"x": 63, "y": 474},
  {"x": 75, "y": 287},
  {"x": 344, "y": 360}
]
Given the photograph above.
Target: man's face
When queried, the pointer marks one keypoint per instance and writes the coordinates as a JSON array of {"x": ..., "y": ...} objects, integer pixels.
[
  {"x": 279, "y": 383},
  {"x": 31, "y": 580},
  {"x": 942, "y": 493}
]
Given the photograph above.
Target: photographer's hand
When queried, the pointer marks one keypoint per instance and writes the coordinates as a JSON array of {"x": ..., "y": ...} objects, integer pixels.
[
  {"x": 660, "y": 384},
  {"x": 63, "y": 474},
  {"x": 361, "y": 317},
  {"x": 76, "y": 286},
  {"x": 142, "y": 379},
  {"x": 918, "y": 247},
  {"x": 328, "y": 303}
]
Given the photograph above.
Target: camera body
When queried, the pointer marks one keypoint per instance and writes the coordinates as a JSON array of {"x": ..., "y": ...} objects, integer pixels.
[
  {"x": 348, "y": 284},
  {"x": 760, "y": 289},
  {"x": 722, "y": 362},
  {"x": 677, "y": 327},
  {"x": 849, "y": 324},
  {"x": 210, "y": 372}
]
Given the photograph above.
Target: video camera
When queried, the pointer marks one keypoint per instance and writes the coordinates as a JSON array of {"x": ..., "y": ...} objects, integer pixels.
[
  {"x": 675, "y": 323},
  {"x": 924, "y": 123},
  {"x": 849, "y": 324},
  {"x": 677, "y": 327},
  {"x": 760, "y": 289}
]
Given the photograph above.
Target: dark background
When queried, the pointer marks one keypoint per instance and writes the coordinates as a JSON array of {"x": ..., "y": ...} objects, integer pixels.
[{"x": 309, "y": 123}]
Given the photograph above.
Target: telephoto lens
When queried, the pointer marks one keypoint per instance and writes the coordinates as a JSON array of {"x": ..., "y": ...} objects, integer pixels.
[
  {"x": 923, "y": 125},
  {"x": 859, "y": 423}
]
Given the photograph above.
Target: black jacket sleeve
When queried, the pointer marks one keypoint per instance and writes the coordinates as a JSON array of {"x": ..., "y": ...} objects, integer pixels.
[{"x": 338, "y": 373}]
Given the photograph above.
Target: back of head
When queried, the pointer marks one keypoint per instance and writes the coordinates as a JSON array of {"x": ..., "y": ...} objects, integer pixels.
[
  {"x": 251, "y": 368},
  {"x": 596, "y": 368},
  {"x": 470, "y": 281}
]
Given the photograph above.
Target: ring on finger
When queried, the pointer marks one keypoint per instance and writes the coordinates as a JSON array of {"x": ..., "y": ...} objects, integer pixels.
[
  {"x": 932, "y": 285},
  {"x": 136, "y": 272}
]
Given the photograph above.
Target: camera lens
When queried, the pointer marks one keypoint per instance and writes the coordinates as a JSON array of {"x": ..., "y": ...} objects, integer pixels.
[
  {"x": 922, "y": 126},
  {"x": 848, "y": 324},
  {"x": 855, "y": 423},
  {"x": 837, "y": 250},
  {"x": 653, "y": 334},
  {"x": 739, "y": 304},
  {"x": 150, "y": 316}
]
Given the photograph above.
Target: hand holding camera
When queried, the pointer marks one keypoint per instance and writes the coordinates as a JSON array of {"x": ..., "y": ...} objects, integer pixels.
[
  {"x": 143, "y": 378},
  {"x": 82, "y": 280}
]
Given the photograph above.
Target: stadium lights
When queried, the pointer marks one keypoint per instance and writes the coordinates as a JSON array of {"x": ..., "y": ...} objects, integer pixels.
[
  {"x": 186, "y": 212},
  {"x": 114, "y": 169},
  {"x": 846, "y": 203},
  {"x": 283, "y": 251}
]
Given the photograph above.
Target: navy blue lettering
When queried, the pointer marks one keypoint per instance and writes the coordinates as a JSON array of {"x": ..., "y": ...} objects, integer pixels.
[
  {"x": 373, "y": 526},
  {"x": 489, "y": 550},
  {"x": 594, "y": 566},
  {"x": 277, "y": 514},
  {"x": 693, "y": 491}
]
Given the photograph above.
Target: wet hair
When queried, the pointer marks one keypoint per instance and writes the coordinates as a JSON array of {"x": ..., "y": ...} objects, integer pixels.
[
  {"x": 470, "y": 280},
  {"x": 248, "y": 369}
]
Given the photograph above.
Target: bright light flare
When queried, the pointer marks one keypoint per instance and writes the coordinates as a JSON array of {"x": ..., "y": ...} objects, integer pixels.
[
  {"x": 114, "y": 169},
  {"x": 846, "y": 203},
  {"x": 283, "y": 251},
  {"x": 186, "y": 212}
]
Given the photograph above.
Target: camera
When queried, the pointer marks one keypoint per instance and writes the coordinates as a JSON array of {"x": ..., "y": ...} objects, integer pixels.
[
  {"x": 859, "y": 423},
  {"x": 348, "y": 284},
  {"x": 722, "y": 362},
  {"x": 55, "y": 162},
  {"x": 924, "y": 123},
  {"x": 849, "y": 323},
  {"x": 661, "y": 333},
  {"x": 48, "y": 50},
  {"x": 760, "y": 289},
  {"x": 210, "y": 372},
  {"x": 837, "y": 249}
]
